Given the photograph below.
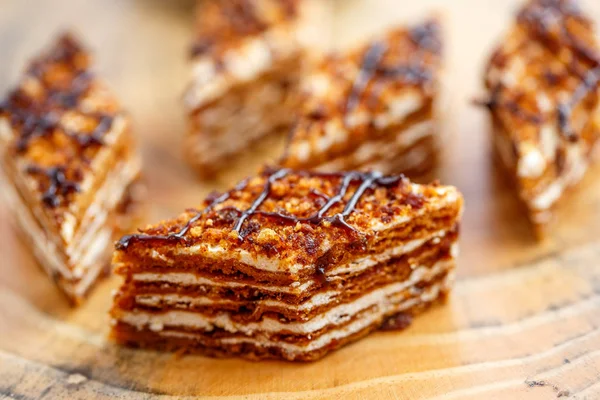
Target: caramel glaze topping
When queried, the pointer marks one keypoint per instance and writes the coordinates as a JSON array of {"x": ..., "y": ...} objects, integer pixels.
[
  {"x": 558, "y": 24},
  {"x": 60, "y": 80},
  {"x": 221, "y": 23},
  {"x": 363, "y": 182}
]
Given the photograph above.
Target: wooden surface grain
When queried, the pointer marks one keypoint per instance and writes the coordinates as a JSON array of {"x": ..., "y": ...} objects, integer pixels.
[{"x": 522, "y": 322}]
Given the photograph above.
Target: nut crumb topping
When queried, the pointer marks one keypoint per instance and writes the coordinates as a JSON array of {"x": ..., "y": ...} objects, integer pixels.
[{"x": 297, "y": 213}]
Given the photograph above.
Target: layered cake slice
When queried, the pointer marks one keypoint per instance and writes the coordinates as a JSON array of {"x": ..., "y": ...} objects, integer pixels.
[
  {"x": 288, "y": 264},
  {"x": 246, "y": 60},
  {"x": 69, "y": 165},
  {"x": 372, "y": 108},
  {"x": 543, "y": 99}
]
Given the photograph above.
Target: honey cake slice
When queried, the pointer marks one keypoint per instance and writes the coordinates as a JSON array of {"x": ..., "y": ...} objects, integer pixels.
[
  {"x": 70, "y": 168},
  {"x": 288, "y": 264},
  {"x": 372, "y": 108},
  {"x": 543, "y": 100},
  {"x": 246, "y": 61}
]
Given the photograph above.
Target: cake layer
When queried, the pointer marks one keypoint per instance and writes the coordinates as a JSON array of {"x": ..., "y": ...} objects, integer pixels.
[
  {"x": 222, "y": 343},
  {"x": 542, "y": 84},
  {"x": 246, "y": 62},
  {"x": 252, "y": 303},
  {"x": 319, "y": 302},
  {"x": 398, "y": 241},
  {"x": 412, "y": 150}
]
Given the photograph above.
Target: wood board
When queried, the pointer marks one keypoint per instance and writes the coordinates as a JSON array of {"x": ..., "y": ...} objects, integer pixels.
[{"x": 523, "y": 320}]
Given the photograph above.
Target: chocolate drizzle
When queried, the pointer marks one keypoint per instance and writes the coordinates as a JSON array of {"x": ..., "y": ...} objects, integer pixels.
[
  {"x": 126, "y": 240},
  {"x": 588, "y": 85},
  {"x": 260, "y": 199},
  {"x": 58, "y": 185},
  {"x": 366, "y": 181},
  {"x": 368, "y": 68},
  {"x": 427, "y": 36}
]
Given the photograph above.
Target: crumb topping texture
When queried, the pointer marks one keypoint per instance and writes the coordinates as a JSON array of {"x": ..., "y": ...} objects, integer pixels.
[
  {"x": 59, "y": 116},
  {"x": 283, "y": 212}
]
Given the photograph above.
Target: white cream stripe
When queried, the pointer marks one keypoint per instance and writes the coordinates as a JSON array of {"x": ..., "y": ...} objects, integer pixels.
[{"x": 180, "y": 301}]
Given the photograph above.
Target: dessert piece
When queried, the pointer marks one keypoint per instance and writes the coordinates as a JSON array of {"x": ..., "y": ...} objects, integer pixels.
[
  {"x": 69, "y": 166},
  {"x": 372, "y": 108},
  {"x": 247, "y": 58},
  {"x": 288, "y": 264},
  {"x": 543, "y": 99}
]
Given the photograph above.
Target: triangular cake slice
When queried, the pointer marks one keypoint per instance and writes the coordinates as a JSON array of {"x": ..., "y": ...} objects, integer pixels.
[
  {"x": 69, "y": 164},
  {"x": 247, "y": 57},
  {"x": 372, "y": 108},
  {"x": 543, "y": 84},
  {"x": 288, "y": 264}
]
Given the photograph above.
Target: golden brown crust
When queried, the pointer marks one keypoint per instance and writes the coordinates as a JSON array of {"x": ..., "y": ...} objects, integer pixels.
[
  {"x": 246, "y": 304},
  {"x": 294, "y": 215},
  {"x": 355, "y": 93}
]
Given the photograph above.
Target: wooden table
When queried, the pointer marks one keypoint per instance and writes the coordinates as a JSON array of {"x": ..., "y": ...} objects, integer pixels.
[{"x": 523, "y": 320}]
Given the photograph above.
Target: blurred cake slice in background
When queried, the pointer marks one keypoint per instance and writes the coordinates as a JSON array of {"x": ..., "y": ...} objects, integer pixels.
[
  {"x": 372, "y": 108},
  {"x": 69, "y": 164},
  {"x": 543, "y": 92},
  {"x": 247, "y": 58}
]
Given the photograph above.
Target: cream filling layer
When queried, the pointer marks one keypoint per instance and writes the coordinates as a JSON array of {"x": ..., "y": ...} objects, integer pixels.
[
  {"x": 383, "y": 148},
  {"x": 371, "y": 260},
  {"x": 334, "y": 316},
  {"x": 190, "y": 279},
  {"x": 419, "y": 274},
  {"x": 391, "y": 306}
]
